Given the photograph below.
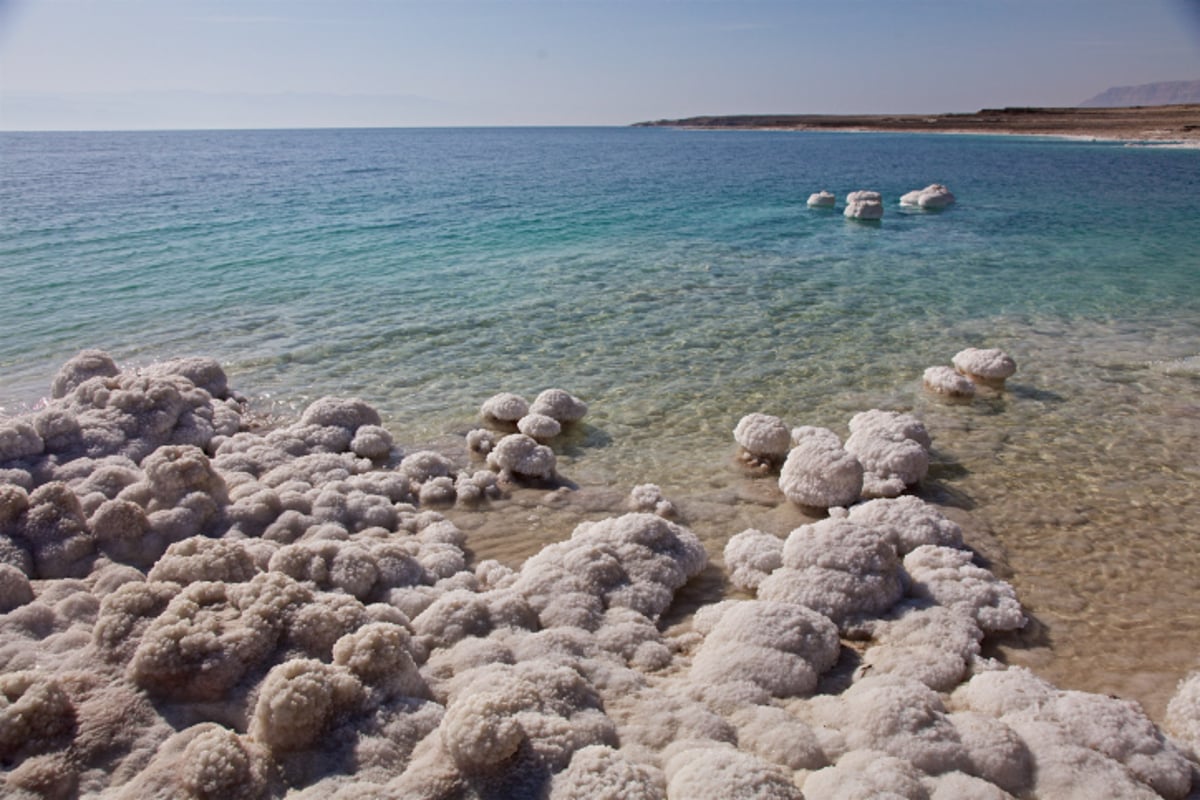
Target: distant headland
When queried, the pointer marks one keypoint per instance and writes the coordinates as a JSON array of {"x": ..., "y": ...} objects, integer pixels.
[{"x": 1150, "y": 123}]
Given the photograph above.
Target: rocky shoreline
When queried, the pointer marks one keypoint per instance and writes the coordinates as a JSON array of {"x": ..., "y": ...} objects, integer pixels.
[{"x": 1139, "y": 123}]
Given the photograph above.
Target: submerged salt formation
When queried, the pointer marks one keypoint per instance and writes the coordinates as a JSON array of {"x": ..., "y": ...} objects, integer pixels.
[
  {"x": 193, "y": 607},
  {"x": 864, "y": 205},
  {"x": 893, "y": 449},
  {"x": 821, "y": 199},
  {"x": 763, "y": 439},
  {"x": 946, "y": 381},
  {"x": 990, "y": 367},
  {"x": 933, "y": 196},
  {"x": 818, "y": 473}
]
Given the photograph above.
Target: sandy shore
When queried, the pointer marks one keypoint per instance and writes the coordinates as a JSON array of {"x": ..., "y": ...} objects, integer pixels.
[{"x": 1142, "y": 123}]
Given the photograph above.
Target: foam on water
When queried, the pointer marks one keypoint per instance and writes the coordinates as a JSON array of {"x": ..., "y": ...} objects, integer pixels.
[{"x": 676, "y": 281}]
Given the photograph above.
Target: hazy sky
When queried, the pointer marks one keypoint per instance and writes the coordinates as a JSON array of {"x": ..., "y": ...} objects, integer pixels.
[{"x": 287, "y": 63}]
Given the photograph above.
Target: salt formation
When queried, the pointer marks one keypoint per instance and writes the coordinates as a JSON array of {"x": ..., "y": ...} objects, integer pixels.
[
  {"x": 819, "y": 473},
  {"x": 191, "y": 607},
  {"x": 990, "y": 367},
  {"x": 933, "y": 196},
  {"x": 539, "y": 427},
  {"x": 864, "y": 205},
  {"x": 1183, "y": 713},
  {"x": 649, "y": 497},
  {"x": 504, "y": 407},
  {"x": 893, "y": 449},
  {"x": 821, "y": 199},
  {"x": 946, "y": 381},
  {"x": 522, "y": 456},
  {"x": 763, "y": 438},
  {"x": 559, "y": 404}
]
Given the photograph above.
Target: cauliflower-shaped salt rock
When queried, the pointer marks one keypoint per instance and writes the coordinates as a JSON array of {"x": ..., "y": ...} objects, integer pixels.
[
  {"x": 350, "y": 413},
  {"x": 298, "y": 699},
  {"x": 539, "y": 426},
  {"x": 946, "y": 381},
  {"x": 933, "y": 196},
  {"x": 504, "y": 407},
  {"x": 947, "y": 576},
  {"x": 87, "y": 364},
  {"x": 990, "y": 367},
  {"x": 865, "y": 205},
  {"x": 781, "y": 647},
  {"x": 763, "y": 436},
  {"x": 821, "y": 199},
  {"x": 838, "y": 568},
  {"x": 559, "y": 404},
  {"x": 820, "y": 474},
  {"x": 521, "y": 455},
  {"x": 751, "y": 556},
  {"x": 907, "y": 523}
]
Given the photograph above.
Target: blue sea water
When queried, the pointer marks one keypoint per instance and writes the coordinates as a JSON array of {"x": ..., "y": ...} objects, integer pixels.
[
  {"x": 675, "y": 280},
  {"x": 427, "y": 268}
]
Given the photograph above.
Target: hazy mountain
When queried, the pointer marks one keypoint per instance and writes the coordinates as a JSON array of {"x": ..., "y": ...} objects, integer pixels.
[{"x": 1165, "y": 93}]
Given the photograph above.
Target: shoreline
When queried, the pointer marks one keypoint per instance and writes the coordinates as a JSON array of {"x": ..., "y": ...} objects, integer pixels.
[{"x": 1134, "y": 124}]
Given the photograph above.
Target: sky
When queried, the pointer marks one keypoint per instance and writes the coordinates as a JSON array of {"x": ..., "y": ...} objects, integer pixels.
[{"x": 136, "y": 64}]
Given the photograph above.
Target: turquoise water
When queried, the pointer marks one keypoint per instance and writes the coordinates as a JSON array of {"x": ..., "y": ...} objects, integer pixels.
[
  {"x": 676, "y": 281},
  {"x": 423, "y": 268}
]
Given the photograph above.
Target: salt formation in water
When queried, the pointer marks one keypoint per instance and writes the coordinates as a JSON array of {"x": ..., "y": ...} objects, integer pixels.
[
  {"x": 821, "y": 199},
  {"x": 819, "y": 473},
  {"x": 887, "y": 452},
  {"x": 763, "y": 438},
  {"x": 559, "y": 404},
  {"x": 864, "y": 205},
  {"x": 893, "y": 449},
  {"x": 947, "y": 381},
  {"x": 933, "y": 196},
  {"x": 504, "y": 407},
  {"x": 524, "y": 456},
  {"x": 990, "y": 367},
  {"x": 194, "y": 607},
  {"x": 539, "y": 427},
  {"x": 1183, "y": 712}
]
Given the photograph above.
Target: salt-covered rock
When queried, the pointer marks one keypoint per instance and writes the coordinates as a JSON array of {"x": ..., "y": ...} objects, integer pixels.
[
  {"x": 946, "y": 381},
  {"x": 763, "y": 435},
  {"x": 522, "y": 456},
  {"x": 933, "y": 196},
  {"x": 820, "y": 474},
  {"x": 988, "y": 366},
  {"x": 821, "y": 199},
  {"x": 539, "y": 426},
  {"x": 559, "y": 404},
  {"x": 864, "y": 205},
  {"x": 504, "y": 407}
]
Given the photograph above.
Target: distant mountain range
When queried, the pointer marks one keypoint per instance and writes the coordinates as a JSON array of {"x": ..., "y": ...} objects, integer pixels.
[{"x": 1166, "y": 93}]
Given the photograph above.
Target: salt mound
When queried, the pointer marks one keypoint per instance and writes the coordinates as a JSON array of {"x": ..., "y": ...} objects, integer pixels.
[
  {"x": 763, "y": 436},
  {"x": 820, "y": 474},
  {"x": 990, "y": 367},
  {"x": 933, "y": 196},
  {"x": 821, "y": 199},
  {"x": 864, "y": 205},
  {"x": 194, "y": 607},
  {"x": 946, "y": 381}
]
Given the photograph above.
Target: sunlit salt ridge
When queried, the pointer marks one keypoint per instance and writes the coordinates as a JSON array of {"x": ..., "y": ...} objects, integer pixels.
[{"x": 198, "y": 605}]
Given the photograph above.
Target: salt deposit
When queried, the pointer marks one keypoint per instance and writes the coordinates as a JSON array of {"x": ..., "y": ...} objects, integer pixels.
[
  {"x": 821, "y": 199},
  {"x": 933, "y": 196},
  {"x": 864, "y": 205},
  {"x": 192, "y": 606},
  {"x": 990, "y": 366}
]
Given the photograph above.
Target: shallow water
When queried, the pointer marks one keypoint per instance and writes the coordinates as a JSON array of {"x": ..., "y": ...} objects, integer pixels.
[{"x": 675, "y": 280}]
